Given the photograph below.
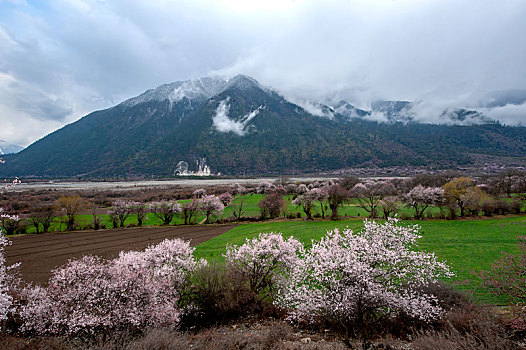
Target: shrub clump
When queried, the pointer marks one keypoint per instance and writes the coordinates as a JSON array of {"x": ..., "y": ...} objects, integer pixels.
[
  {"x": 93, "y": 296},
  {"x": 354, "y": 279}
]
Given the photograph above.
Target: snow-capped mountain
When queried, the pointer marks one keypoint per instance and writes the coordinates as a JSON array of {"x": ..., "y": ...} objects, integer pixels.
[
  {"x": 195, "y": 89},
  {"x": 198, "y": 90},
  {"x": 242, "y": 127},
  {"x": 349, "y": 111},
  {"x": 408, "y": 112}
]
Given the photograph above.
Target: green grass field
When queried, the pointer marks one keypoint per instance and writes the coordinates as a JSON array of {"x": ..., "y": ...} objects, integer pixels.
[{"x": 468, "y": 246}]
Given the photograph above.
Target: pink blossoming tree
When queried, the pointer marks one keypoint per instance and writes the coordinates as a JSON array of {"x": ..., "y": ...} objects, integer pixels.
[
  {"x": 5, "y": 298},
  {"x": 93, "y": 296},
  {"x": 200, "y": 192},
  {"x": 225, "y": 198},
  {"x": 121, "y": 210},
  {"x": 369, "y": 194},
  {"x": 266, "y": 261},
  {"x": 265, "y": 187}
]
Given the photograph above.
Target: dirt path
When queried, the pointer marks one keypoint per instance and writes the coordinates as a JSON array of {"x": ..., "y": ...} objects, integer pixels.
[{"x": 39, "y": 254}]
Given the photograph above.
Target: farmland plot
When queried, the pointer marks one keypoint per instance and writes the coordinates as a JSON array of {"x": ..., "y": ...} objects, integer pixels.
[{"x": 39, "y": 254}]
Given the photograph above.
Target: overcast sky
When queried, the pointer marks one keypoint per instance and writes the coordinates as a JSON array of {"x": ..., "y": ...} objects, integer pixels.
[{"x": 61, "y": 59}]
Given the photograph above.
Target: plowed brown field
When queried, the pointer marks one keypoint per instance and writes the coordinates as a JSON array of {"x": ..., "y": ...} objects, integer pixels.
[{"x": 39, "y": 254}]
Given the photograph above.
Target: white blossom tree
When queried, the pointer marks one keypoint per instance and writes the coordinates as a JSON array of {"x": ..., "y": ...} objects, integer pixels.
[
  {"x": 370, "y": 193},
  {"x": 165, "y": 210},
  {"x": 200, "y": 192},
  {"x": 322, "y": 195},
  {"x": 211, "y": 205},
  {"x": 190, "y": 209},
  {"x": 306, "y": 201},
  {"x": 237, "y": 189},
  {"x": 225, "y": 198},
  {"x": 265, "y": 187},
  {"x": 266, "y": 261},
  {"x": 301, "y": 189},
  {"x": 420, "y": 198},
  {"x": 355, "y": 278},
  {"x": 121, "y": 210}
]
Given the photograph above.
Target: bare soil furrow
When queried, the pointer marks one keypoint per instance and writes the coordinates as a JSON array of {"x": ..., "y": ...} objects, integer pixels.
[
  {"x": 137, "y": 243},
  {"x": 29, "y": 241},
  {"x": 43, "y": 246},
  {"x": 40, "y": 254}
]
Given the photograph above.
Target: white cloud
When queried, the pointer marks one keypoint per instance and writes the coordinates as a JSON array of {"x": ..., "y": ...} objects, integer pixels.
[
  {"x": 510, "y": 114},
  {"x": 313, "y": 108},
  {"x": 223, "y": 123},
  {"x": 69, "y": 57}
]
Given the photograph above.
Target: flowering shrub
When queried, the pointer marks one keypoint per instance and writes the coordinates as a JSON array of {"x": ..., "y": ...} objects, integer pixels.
[
  {"x": 307, "y": 201},
  {"x": 265, "y": 261},
  {"x": 237, "y": 189},
  {"x": 210, "y": 205},
  {"x": 353, "y": 279},
  {"x": 420, "y": 198},
  {"x": 171, "y": 259},
  {"x": 5, "y": 299},
  {"x": 200, "y": 192},
  {"x": 121, "y": 210},
  {"x": 225, "y": 198},
  {"x": 90, "y": 295},
  {"x": 165, "y": 210},
  {"x": 265, "y": 187}
]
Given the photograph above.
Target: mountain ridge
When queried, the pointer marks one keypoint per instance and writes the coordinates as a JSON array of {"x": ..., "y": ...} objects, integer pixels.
[{"x": 243, "y": 127}]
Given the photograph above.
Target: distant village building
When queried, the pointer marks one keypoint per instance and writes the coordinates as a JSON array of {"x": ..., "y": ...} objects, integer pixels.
[{"x": 202, "y": 169}]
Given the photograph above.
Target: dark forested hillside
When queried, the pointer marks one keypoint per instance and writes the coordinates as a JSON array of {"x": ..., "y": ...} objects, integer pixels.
[{"x": 241, "y": 127}]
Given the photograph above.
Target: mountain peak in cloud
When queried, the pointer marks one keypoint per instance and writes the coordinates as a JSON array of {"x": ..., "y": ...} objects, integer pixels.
[
  {"x": 243, "y": 82},
  {"x": 198, "y": 88}
]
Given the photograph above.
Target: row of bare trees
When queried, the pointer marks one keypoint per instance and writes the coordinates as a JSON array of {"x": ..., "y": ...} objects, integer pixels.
[{"x": 453, "y": 195}]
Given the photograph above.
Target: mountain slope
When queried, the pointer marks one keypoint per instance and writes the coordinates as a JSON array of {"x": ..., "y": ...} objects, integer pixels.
[{"x": 242, "y": 127}]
